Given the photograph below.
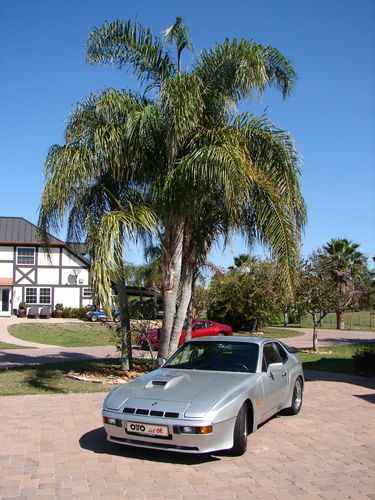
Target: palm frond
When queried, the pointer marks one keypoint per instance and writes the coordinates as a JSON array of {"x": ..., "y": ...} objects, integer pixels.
[{"x": 126, "y": 43}]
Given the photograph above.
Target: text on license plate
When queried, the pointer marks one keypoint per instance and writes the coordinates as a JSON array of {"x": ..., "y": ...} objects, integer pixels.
[{"x": 147, "y": 429}]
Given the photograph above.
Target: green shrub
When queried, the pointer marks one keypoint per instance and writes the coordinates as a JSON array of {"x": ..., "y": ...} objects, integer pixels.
[
  {"x": 364, "y": 362},
  {"x": 75, "y": 312}
]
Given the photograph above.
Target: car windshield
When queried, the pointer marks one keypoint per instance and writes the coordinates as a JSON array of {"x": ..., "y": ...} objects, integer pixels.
[{"x": 216, "y": 356}]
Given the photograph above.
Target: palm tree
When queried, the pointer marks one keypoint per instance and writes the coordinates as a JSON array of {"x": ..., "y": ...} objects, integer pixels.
[
  {"x": 91, "y": 178},
  {"x": 205, "y": 148},
  {"x": 345, "y": 262}
]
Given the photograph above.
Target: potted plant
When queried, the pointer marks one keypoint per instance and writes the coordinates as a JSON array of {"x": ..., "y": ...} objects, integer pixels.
[
  {"x": 22, "y": 309},
  {"x": 59, "y": 310}
]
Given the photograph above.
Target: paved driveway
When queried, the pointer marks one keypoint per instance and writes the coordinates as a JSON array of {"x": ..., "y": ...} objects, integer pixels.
[{"x": 53, "y": 446}]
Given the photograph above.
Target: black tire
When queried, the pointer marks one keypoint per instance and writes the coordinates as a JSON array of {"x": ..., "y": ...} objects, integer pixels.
[
  {"x": 296, "y": 398},
  {"x": 117, "y": 318},
  {"x": 93, "y": 318},
  {"x": 220, "y": 334},
  {"x": 240, "y": 433}
]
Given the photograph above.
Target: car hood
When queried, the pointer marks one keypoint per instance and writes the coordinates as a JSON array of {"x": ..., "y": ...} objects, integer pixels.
[{"x": 173, "y": 389}]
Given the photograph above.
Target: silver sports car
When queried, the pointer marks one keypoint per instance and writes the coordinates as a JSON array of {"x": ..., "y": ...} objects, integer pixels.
[{"x": 210, "y": 394}]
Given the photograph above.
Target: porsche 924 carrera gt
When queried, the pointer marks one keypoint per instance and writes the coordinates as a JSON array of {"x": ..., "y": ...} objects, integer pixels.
[{"x": 209, "y": 395}]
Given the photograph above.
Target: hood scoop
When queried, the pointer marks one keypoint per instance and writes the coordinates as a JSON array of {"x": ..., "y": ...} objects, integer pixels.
[{"x": 164, "y": 382}]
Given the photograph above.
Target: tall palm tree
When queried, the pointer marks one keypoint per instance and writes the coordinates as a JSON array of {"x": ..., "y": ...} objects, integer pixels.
[
  {"x": 345, "y": 262},
  {"x": 205, "y": 147},
  {"x": 91, "y": 178}
]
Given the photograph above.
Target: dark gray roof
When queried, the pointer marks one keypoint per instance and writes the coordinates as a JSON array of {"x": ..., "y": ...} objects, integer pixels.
[{"x": 19, "y": 230}]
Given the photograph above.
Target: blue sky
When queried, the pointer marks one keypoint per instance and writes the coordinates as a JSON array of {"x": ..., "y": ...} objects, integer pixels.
[{"x": 331, "y": 113}]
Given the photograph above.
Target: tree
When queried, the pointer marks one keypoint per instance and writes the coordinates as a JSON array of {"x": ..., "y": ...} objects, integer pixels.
[
  {"x": 91, "y": 178},
  {"x": 203, "y": 149},
  {"x": 246, "y": 300},
  {"x": 346, "y": 264},
  {"x": 318, "y": 292}
]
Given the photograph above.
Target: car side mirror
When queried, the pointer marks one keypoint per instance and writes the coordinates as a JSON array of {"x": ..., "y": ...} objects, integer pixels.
[
  {"x": 161, "y": 362},
  {"x": 274, "y": 368}
]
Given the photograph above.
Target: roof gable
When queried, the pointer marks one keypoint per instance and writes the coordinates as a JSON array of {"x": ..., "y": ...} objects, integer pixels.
[{"x": 19, "y": 230}]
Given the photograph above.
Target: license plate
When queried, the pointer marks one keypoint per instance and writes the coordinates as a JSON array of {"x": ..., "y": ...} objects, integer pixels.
[{"x": 147, "y": 429}]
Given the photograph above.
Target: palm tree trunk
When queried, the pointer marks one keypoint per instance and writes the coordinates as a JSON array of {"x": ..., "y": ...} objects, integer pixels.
[
  {"x": 126, "y": 355},
  {"x": 340, "y": 325},
  {"x": 172, "y": 259},
  {"x": 186, "y": 290},
  {"x": 189, "y": 316}
]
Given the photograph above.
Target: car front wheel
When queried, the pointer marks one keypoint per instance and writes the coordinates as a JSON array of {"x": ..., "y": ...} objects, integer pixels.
[
  {"x": 296, "y": 398},
  {"x": 240, "y": 433},
  {"x": 93, "y": 318}
]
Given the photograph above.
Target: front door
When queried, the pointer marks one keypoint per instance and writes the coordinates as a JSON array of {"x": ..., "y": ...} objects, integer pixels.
[{"x": 4, "y": 301}]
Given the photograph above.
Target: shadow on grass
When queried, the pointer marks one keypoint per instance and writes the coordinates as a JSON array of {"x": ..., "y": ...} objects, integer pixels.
[{"x": 96, "y": 441}]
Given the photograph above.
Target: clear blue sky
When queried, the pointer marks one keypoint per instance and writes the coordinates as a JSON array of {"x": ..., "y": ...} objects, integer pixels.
[{"x": 331, "y": 113}]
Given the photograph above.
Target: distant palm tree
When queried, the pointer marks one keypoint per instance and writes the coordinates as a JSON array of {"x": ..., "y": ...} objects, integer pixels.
[
  {"x": 204, "y": 155},
  {"x": 345, "y": 262}
]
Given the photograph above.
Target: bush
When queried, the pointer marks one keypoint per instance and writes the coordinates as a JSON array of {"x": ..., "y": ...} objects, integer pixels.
[
  {"x": 364, "y": 362},
  {"x": 75, "y": 312}
]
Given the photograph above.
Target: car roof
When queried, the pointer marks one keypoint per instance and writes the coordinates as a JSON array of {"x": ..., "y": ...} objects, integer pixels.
[{"x": 234, "y": 338}]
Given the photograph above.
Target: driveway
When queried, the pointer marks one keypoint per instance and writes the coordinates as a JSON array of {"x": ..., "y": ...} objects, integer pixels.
[{"x": 53, "y": 446}]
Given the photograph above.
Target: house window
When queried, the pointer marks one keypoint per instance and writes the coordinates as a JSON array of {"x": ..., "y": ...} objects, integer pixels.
[
  {"x": 38, "y": 296},
  {"x": 44, "y": 295},
  {"x": 87, "y": 292},
  {"x": 31, "y": 296},
  {"x": 26, "y": 255}
]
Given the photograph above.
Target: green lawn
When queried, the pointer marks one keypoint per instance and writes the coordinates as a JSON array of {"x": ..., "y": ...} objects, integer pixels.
[
  {"x": 273, "y": 333},
  {"x": 5, "y": 345},
  {"x": 82, "y": 334},
  {"x": 52, "y": 378},
  {"x": 333, "y": 358}
]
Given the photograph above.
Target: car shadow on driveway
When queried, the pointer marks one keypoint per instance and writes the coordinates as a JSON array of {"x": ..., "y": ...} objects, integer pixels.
[{"x": 96, "y": 441}]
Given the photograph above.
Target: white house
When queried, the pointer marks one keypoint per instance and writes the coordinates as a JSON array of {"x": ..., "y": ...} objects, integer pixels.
[{"x": 28, "y": 274}]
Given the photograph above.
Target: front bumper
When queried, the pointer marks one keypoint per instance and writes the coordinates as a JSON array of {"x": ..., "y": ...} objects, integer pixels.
[{"x": 221, "y": 437}]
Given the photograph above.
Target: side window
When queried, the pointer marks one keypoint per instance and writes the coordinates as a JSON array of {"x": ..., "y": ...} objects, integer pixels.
[
  {"x": 270, "y": 355},
  {"x": 199, "y": 325},
  {"x": 209, "y": 324},
  {"x": 282, "y": 352}
]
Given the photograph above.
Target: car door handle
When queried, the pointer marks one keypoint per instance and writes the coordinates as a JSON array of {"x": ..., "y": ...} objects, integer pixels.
[{"x": 283, "y": 374}]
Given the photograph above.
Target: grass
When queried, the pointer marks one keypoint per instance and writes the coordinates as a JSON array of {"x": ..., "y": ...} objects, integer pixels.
[
  {"x": 332, "y": 358},
  {"x": 82, "y": 334},
  {"x": 5, "y": 345},
  {"x": 273, "y": 333},
  {"x": 52, "y": 378}
]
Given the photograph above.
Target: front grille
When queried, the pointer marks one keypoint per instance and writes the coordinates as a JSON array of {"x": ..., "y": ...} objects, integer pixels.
[
  {"x": 151, "y": 413},
  {"x": 141, "y": 412}
]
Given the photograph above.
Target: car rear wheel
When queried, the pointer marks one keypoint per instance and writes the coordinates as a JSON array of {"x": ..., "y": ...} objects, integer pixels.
[
  {"x": 296, "y": 398},
  {"x": 93, "y": 318},
  {"x": 117, "y": 318},
  {"x": 240, "y": 433},
  {"x": 221, "y": 334}
]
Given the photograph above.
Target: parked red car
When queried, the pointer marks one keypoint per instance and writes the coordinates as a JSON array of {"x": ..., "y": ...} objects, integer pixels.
[{"x": 201, "y": 328}]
